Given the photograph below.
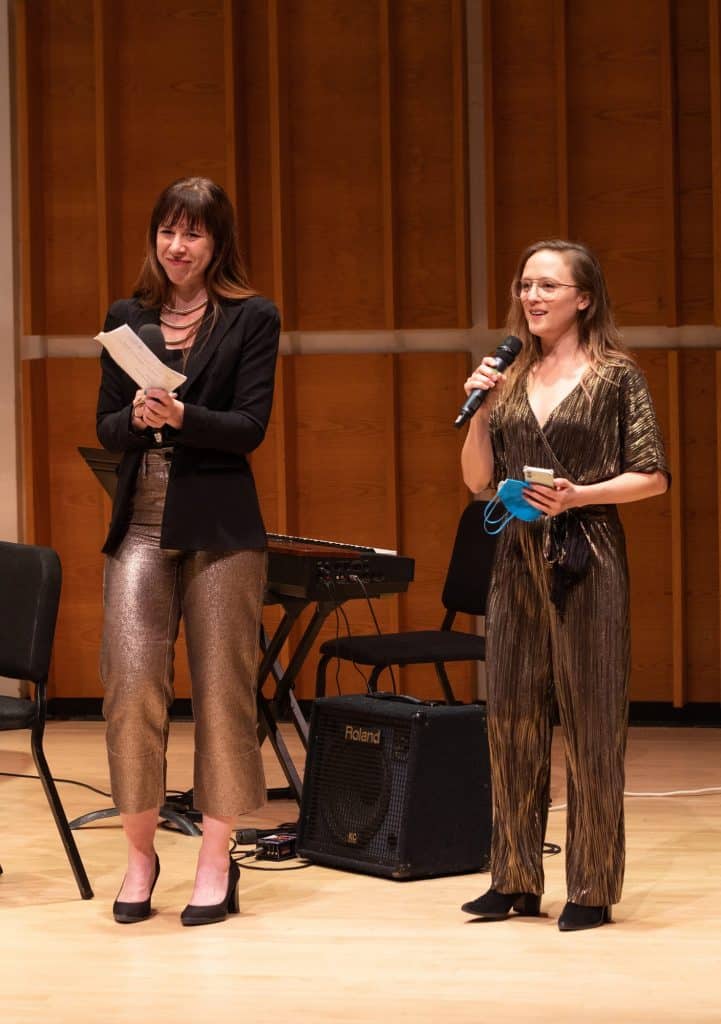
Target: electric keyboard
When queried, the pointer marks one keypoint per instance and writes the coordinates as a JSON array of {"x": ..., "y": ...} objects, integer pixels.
[
  {"x": 322, "y": 570},
  {"x": 316, "y": 570}
]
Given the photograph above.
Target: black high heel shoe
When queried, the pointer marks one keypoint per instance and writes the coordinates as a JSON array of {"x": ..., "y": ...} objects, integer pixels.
[
  {"x": 494, "y": 905},
  {"x": 575, "y": 918},
  {"x": 218, "y": 911},
  {"x": 129, "y": 913}
]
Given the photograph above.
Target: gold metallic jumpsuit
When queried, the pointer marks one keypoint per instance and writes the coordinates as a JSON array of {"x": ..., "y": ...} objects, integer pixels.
[{"x": 558, "y": 627}]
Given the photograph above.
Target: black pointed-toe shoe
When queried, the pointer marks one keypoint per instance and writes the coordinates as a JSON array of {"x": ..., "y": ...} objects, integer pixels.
[
  {"x": 218, "y": 911},
  {"x": 494, "y": 905},
  {"x": 575, "y": 918},
  {"x": 130, "y": 913}
]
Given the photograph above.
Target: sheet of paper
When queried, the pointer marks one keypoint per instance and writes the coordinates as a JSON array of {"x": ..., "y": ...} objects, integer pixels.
[{"x": 133, "y": 355}]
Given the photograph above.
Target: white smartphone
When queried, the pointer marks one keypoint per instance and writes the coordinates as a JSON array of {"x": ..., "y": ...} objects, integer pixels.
[{"x": 538, "y": 475}]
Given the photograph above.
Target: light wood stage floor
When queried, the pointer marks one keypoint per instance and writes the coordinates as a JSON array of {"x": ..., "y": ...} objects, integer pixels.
[{"x": 324, "y": 945}]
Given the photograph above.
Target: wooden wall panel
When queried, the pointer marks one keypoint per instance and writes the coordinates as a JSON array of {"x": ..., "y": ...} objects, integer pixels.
[
  {"x": 257, "y": 212},
  {"x": 619, "y": 203},
  {"x": 330, "y": 124},
  {"x": 435, "y": 496},
  {"x": 700, "y": 518},
  {"x": 714, "y": 26},
  {"x": 648, "y": 536},
  {"x": 673, "y": 540},
  {"x": 30, "y": 191},
  {"x": 77, "y": 525},
  {"x": 521, "y": 138},
  {"x": 694, "y": 163},
  {"x": 36, "y": 470},
  {"x": 335, "y": 153},
  {"x": 165, "y": 109},
  {"x": 340, "y": 444},
  {"x": 429, "y": 163},
  {"x": 610, "y": 136},
  {"x": 717, "y": 376},
  {"x": 58, "y": 165}
]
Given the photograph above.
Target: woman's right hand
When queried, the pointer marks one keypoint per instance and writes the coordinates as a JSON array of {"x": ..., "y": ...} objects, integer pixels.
[
  {"x": 477, "y": 452},
  {"x": 487, "y": 378}
]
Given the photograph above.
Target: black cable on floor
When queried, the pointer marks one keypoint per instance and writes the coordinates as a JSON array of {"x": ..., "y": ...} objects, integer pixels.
[{"x": 72, "y": 782}]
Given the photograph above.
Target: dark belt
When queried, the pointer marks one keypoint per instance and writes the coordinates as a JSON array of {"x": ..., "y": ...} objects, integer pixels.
[{"x": 567, "y": 548}]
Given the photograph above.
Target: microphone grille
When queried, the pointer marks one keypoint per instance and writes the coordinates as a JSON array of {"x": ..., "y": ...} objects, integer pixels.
[
  {"x": 512, "y": 344},
  {"x": 152, "y": 334}
]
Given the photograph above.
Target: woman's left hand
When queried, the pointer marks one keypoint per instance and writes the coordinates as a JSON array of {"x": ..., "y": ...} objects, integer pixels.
[
  {"x": 552, "y": 500},
  {"x": 162, "y": 407}
]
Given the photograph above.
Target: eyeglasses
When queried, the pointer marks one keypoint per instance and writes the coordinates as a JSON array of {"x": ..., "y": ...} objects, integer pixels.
[{"x": 545, "y": 287}]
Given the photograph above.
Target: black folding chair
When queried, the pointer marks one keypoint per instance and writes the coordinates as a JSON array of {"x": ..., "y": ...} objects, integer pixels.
[
  {"x": 465, "y": 590},
  {"x": 30, "y": 582}
]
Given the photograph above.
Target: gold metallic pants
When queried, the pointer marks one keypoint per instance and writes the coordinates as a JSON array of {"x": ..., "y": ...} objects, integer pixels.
[
  {"x": 582, "y": 660},
  {"x": 220, "y": 597}
]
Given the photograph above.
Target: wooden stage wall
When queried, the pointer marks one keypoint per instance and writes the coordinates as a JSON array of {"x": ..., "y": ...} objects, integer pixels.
[
  {"x": 378, "y": 463},
  {"x": 341, "y": 132},
  {"x": 338, "y": 129},
  {"x": 603, "y": 123}
]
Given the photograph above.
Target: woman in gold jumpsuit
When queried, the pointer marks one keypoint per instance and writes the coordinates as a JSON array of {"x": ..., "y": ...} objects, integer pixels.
[{"x": 558, "y": 626}]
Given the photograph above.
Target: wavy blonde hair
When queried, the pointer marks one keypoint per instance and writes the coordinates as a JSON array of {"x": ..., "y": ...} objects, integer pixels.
[{"x": 597, "y": 330}]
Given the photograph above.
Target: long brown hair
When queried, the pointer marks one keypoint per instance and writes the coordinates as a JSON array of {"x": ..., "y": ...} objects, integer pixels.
[
  {"x": 205, "y": 206},
  {"x": 597, "y": 330}
]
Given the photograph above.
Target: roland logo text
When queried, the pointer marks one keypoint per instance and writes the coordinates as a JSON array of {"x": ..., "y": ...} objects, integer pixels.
[{"x": 357, "y": 734}]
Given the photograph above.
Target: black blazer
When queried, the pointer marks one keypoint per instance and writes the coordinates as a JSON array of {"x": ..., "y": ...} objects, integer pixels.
[{"x": 211, "y": 502}]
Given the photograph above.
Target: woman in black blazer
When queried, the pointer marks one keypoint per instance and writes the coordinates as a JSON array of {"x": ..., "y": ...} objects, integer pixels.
[{"x": 186, "y": 539}]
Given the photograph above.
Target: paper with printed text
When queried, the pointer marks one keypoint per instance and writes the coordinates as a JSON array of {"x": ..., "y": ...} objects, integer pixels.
[{"x": 133, "y": 355}]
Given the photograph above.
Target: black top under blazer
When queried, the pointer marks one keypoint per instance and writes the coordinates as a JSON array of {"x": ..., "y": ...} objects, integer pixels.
[{"x": 211, "y": 502}]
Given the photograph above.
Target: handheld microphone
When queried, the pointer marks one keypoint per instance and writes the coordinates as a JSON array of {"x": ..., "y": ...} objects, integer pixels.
[
  {"x": 503, "y": 356},
  {"x": 152, "y": 335}
]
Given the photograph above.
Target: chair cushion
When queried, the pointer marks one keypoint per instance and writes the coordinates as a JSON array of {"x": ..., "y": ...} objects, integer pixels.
[
  {"x": 16, "y": 713},
  {"x": 412, "y": 648}
]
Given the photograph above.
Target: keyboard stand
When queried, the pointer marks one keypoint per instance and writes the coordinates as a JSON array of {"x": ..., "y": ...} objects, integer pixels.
[{"x": 284, "y": 699}]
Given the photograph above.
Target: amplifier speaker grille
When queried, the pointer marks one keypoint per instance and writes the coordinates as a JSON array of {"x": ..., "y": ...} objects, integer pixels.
[{"x": 395, "y": 788}]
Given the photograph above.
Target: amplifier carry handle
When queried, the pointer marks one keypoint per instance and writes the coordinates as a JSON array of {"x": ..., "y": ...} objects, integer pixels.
[{"x": 402, "y": 698}]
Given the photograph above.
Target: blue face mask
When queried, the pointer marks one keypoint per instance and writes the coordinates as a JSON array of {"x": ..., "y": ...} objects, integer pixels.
[{"x": 509, "y": 503}]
